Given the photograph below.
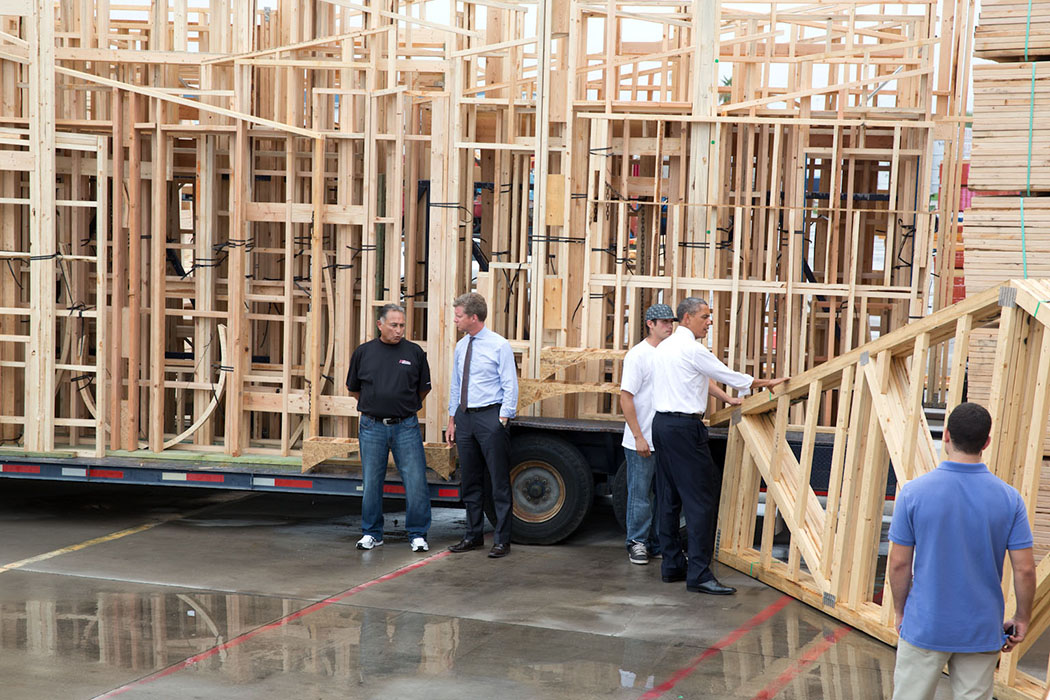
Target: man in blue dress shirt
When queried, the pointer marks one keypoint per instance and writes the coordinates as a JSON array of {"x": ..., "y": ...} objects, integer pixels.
[
  {"x": 483, "y": 396},
  {"x": 950, "y": 532}
]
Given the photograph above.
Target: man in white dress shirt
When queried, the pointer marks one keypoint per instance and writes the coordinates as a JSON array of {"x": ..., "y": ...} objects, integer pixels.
[{"x": 687, "y": 478}]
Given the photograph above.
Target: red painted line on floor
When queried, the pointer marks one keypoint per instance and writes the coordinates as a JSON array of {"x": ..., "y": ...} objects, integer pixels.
[
  {"x": 241, "y": 639},
  {"x": 20, "y": 469},
  {"x": 213, "y": 478},
  {"x": 801, "y": 663},
  {"x": 682, "y": 673},
  {"x": 105, "y": 474}
]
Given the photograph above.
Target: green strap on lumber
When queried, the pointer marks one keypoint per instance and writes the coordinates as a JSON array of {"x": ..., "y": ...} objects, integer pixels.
[
  {"x": 1031, "y": 129},
  {"x": 1024, "y": 248},
  {"x": 1027, "y": 29}
]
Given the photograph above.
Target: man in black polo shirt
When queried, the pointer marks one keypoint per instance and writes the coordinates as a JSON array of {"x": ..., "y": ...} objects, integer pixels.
[{"x": 390, "y": 377}]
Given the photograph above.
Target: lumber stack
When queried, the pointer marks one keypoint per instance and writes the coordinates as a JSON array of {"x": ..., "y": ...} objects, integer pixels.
[
  {"x": 239, "y": 188},
  {"x": 1013, "y": 28},
  {"x": 1008, "y": 236},
  {"x": 1041, "y": 519},
  {"x": 980, "y": 368},
  {"x": 981, "y": 360},
  {"x": 998, "y": 247},
  {"x": 1011, "y": 102}
]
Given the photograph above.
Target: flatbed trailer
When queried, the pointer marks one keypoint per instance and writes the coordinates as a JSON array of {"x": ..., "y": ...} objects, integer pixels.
[
  {"x": 558, "y": 467},
  {"x": 240, "y": 476}
]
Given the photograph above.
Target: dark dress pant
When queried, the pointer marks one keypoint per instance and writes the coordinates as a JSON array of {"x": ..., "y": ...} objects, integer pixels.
[
  {"x": 687, "y": 480},
  {"x": 483, "y": 443}
]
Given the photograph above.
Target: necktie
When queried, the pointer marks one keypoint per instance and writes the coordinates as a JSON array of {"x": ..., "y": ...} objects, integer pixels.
[{"x": 466, "y": 376}]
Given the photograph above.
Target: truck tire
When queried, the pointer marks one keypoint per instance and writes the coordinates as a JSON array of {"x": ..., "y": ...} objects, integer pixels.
[
  {"x": 551, "y": 487},
  {"x": 618, "y": 491}
]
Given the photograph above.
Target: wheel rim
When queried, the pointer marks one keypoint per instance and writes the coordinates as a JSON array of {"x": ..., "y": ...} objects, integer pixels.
[{"x": 539, "y": 491}]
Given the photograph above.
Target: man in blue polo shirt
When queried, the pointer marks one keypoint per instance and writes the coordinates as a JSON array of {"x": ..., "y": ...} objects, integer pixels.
[{"x": 951, "y": 530}]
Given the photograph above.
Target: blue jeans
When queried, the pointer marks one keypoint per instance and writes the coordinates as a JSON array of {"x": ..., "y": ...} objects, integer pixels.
[
  {"x": 404, "y": 440},
  {"x": 641, "y": 510}
]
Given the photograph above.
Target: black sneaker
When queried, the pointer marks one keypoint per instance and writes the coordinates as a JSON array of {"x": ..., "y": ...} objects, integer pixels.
[{"x": 637, "y": 553}]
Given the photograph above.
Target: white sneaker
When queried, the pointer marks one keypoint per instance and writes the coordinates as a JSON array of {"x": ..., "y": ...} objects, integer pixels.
[
  {"x": 419, "y": 545},
  {"x": 369, "y": 542}
]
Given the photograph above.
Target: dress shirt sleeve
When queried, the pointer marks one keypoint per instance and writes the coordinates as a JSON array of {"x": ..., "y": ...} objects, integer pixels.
[
  {"x": 712, "y": 367},
  {"x": 508, "y": 379},
  {"x": 456, "y": 380}
]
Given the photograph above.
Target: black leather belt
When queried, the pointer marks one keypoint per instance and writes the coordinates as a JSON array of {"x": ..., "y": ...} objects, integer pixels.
[
  {"x": 387, "y": 421},
  {"x": 477, "y": 409},
  {"x": 695, "y": 416}
]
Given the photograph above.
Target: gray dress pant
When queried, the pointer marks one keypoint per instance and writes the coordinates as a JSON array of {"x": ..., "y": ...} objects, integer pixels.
[{"x": 483, "y": 443}]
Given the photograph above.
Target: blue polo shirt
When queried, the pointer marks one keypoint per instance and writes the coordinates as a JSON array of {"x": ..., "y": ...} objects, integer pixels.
[{"x": 961, "y": 519}]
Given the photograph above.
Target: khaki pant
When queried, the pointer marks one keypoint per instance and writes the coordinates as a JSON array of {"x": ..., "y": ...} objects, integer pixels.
[{"x": 918, "y": 671}]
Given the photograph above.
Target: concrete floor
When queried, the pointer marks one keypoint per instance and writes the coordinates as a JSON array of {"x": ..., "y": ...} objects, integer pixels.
[{"x": 264, "y": 596}]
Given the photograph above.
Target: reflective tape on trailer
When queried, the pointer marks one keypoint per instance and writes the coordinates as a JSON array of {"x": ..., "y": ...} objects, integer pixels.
[
  {"x": 277, "y": 482},
  {"x": 208, "y": 478},
  {"x": 177, "y": 475},
  {"x": 294, "y": 483},
  {"x": 193, "y": 477},
  {"x": 19, "y": 469}
]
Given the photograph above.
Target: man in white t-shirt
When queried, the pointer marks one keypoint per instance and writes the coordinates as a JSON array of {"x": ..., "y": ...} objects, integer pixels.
[{"x": 636, "y": 400}]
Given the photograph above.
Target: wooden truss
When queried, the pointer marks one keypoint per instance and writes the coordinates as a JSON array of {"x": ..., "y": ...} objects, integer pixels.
[{"x": 875, "y": 394}]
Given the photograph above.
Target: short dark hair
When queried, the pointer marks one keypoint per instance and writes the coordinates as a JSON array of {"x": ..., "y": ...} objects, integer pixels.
[
  {"x": 387, "y": 308},
  {"x": 473, "y": 304},
  {"x": 689, "y": 305},
  {"x": 969, "y": 425}
]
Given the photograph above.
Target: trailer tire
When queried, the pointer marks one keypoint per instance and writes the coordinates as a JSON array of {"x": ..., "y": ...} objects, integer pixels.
[
  {"x": 618, "y": 491},
  {"x": 552, "y": 489}
]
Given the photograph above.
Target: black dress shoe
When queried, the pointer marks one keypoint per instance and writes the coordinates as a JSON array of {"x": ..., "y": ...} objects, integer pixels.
[
  {"x": 499, "y": 550},
  {"x": 712, "y": 587},
  {"x": 465, "y": 545},
  {"x": 673, "y": 578}
]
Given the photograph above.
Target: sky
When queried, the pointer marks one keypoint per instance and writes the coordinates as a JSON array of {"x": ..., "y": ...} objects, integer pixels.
[{"x": 438, "y": 10}]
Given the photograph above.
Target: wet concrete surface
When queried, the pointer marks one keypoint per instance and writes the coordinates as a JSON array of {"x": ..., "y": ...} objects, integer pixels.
[{"x": 264, "y": 596}]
